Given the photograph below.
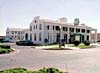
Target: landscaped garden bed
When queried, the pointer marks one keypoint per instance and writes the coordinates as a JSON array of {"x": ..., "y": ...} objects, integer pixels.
[
  {"x": 23, "y": 70},
  {"x": 82, "y": 46},
  {"x": 5, "y": 49}
]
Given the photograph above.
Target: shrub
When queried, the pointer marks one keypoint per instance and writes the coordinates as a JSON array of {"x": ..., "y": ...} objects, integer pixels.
[
  {"x": 22, "y": 70},
  {"x": 5, "y": 46},
  {"x": 49, "y": 70},
  {"x": 87, "y": 43},
  {"x": 76, "y": 43}
]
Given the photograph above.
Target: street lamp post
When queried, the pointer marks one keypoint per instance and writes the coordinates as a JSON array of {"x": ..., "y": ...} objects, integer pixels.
[{"x": 60, "y": 37}]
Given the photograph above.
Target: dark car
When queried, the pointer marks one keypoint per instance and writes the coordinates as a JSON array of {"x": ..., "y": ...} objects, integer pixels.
[
  {"x": 25, "y": 43},
  {"x": 4, "y": 41}
]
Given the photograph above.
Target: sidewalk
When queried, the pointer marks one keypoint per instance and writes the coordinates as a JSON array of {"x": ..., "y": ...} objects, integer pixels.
[{"x": 49, "y": 47}]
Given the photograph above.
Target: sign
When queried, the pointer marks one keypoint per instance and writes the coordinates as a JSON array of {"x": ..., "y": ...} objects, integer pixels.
[{"x": 77, "y": 37}]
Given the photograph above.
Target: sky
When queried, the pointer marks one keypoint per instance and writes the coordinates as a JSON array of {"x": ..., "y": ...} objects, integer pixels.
[{"x": 20, "y": 13}]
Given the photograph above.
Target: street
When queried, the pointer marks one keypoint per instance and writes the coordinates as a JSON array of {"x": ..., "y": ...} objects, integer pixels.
[{"x": 75, "y": 61}]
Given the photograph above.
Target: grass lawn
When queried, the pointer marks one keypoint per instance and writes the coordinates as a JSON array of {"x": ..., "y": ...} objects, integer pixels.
[{"x": 23, "y": 70}]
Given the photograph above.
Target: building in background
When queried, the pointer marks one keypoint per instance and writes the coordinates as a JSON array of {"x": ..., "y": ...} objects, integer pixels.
[
  {"x": 44, "y": 31},
  {"x": 15, "y": 34}
]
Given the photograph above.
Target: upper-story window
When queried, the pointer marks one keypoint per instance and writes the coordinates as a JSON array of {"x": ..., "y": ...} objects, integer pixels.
[
  {"x": 65, "y": 28},
  {"x": 30, "y": 28},
  {"x": 57, "y": 28},
  {"x": 88, "y": 31},
  {"x": 77, "y": 30},
  {"x": 35, "y": 21},
  {"x": 12, "y": 32},
  {"x": 18, "y": 32},
  {"x": 40, "y": 26},
  {"x": 15, "y": 31},
  {"x": 7, "y": 32},
  {"x": 83, "y": 30},
  {"x": 71, "y": 29},
  {"x": 48, "y": 27},
  {"x": 34, "y": 26}
]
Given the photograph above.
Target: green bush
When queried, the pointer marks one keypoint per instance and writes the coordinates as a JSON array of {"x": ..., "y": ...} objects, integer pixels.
[
  {"x": 87, "y": 43},
  {"x": 5, "y": 46},
  {"x": 16, "y": 70},
  {"x": 3, "y": 50},
  {"x": 49, "y": 70},
  {"x": 76, "y": 43},
  {"x": 22, "y": 70}
]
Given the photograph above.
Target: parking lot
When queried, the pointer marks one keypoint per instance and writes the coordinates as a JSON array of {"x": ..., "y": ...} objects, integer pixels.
[{"x": 75, "y": 61}]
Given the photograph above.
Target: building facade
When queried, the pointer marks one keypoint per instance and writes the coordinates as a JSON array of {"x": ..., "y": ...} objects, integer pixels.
[
  {"x": 44, "y": 31},
  {"x": 15, "y": 34}
]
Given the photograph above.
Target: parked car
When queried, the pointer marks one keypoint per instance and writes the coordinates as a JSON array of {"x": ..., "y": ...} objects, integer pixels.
[
  {"x": 25, "y": 43},
  {"x": 4, "y": 41}
]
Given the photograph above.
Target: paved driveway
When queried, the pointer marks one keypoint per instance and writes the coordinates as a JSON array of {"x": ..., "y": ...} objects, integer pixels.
[{"x": 77, "y": 61}]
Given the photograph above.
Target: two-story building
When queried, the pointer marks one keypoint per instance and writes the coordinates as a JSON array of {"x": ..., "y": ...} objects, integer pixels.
[{"x": 44, "y": 31}]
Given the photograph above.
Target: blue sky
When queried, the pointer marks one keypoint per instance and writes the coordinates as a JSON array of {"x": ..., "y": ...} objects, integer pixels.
[{"x": 19, "y": 13}]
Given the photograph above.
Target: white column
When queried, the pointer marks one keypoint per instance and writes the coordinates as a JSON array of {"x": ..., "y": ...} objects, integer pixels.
[
  {"x": 90, "y": 36},
  {"x": 96, "y": 36},
  {"x": 68, "y": 35},
  {"x": 85, "y": 36}
]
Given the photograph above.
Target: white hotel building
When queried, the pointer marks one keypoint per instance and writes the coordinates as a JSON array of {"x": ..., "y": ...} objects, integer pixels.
[{"x": 42, "y": 30}]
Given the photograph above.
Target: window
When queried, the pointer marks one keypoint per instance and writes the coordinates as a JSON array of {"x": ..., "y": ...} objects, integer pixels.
[
  {"x": 18, "y": 32},
  {"x": 15, "y": 36},
  {"x": 65, "y": 28},
  {"x": 53, "y": 27},
  {"x": 71, "y": 29},
  {"x": 88, "y": 31},
  {"x": 12, "y": 32},
  {"x": 83, "y": 30},
  {"x": 39, "y": 36},
  {"x": 30, "y": 36},
  {"x": 77, "y": 30},
  {"x": 57, "y": 28},
  {"x": 35, "y": 21},
  {"x": 40, "y": 26},
  {"x": 34, "y": 36},
  {"x": 48, "y": 27},
  {"x": 36, "y": 26},
  {"x": 7, "y": 32},
  {"x": 87, "y": 37},
  {"x": 18, "y": 37},
  {"x": 15, "y": 31},
  {"x": 30, "y": 28}
]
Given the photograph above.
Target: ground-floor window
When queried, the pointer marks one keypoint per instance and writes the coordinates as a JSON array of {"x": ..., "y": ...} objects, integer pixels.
[
  {"x": 30, "y": 36},
  {"x": 58, "y": 38},
  {"x": 39, "y": 36},
  {"x": 34, "y": 36},
  {"x": 82, "y": 38},
  {"x": 65, "y": 38},
  {"x": 87, "y": 37},
  {"x": 26, "y": 36}
]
